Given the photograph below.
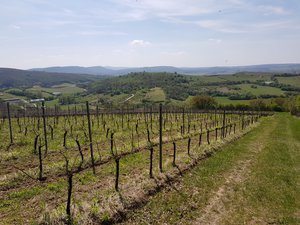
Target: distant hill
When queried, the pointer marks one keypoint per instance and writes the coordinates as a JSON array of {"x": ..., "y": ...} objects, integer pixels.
[
  {"x": 94, "y": 70},
  {"x": 174, "y": 85},
  {"x": 239, "y": 86},
  {"x": 24, "y": 78},
  {"x": 113, "y": 71}
]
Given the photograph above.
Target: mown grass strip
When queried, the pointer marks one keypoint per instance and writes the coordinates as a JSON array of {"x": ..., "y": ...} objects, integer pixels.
[
  {"x": 183, "y": 201},
  {"x": 271, "y": 195}
]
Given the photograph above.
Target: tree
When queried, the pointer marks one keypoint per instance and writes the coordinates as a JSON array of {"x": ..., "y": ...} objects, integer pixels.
[
  {"x": 203, "y": 102},
  {"x": 258, "y": 104},
  {"x": 67, "y": 99}
]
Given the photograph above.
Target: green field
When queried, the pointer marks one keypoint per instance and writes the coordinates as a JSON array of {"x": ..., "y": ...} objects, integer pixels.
[
  {"x": 64, "y": 88},
  {"x": 247, "y": 77},
  {"x": 166, "y": 88},
  {"x": 5, "y": 95},
  {"x": 156, "y": 95},
  {"x": 226, "y": 101},
  {"x": 211, "y": 79},
  {"x": 293, "y": 81},
  {"x": 260, "y": 90},
  {"x": 43, "y": 92}
]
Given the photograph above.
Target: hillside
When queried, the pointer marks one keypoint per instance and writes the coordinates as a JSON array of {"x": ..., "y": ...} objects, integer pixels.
[
  {"x": 22, "y": 78},
  {"x": 100, "y": 70},
  {"x": 95, "y": 70},
  {"x": 175, "y": 86},
  {"x": 241, "y": 86},
  {"x": 142, "y": 88}
]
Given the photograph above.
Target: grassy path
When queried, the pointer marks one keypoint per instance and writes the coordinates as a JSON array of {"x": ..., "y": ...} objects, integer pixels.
[{"x": 255, "y": 180}]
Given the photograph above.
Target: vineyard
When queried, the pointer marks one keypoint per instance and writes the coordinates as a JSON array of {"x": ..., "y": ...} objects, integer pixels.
[{"x": 91, "y": 165}]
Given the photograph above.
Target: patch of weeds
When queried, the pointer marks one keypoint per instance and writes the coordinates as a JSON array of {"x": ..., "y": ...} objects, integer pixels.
[
  {"x": 4, "y": 203},
  {"x": 105, "y": 218},
  {"x": 10, "y": 183},
  {"x": 285, "y": 220},
  {"x": 87, "y": 178},
  {"x": 94, "y": 211},
  {"x": 55, "y": 187},
  {"x": 25, "y": 194}
]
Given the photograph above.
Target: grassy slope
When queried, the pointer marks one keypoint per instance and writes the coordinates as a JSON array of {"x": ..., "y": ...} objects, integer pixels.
[
  {"x": 247, "y": 76},
  {"x": 5, "y": 95},
  {"x": 227, "y": 101},
  {"x": 180, "y": 87},
  {"x": 260, "y": 90},
  {"x": 252, "y": 181},
  {"x": 156, "y": 95},
  {"x": 294, "y": 81},
  {"x": 63, "y": 88}
]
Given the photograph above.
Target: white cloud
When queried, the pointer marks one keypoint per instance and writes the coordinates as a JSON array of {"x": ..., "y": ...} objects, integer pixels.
[
  {"x": 227, "y": 26},
  {"x": 16, "y": 27},
  {"x": 218, "y": 41},
  {"x": 144, "y": 9},
  {"x": 268, "y": 9},
  {"x": 100, "y": 33},
  {"x": 174, "y": 54},
  {"x": 140, "y": 43},
  {"x": 221, "y": 26}
]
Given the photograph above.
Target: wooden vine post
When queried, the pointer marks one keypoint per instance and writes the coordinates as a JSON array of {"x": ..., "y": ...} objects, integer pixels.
[
  {"x": 174, "y": 153},
  {"x": 207, "y": 137},
  {"x": 151, "y": 153},
  {"x": 90, "y": 136},
  {"x": 45, "y": 129},
  {"x": 97, "y": 115},
  {"x": 70, "y": 186},
  {"x": 9, "y": 123},
  {"x": 117, "y": 160},
  {"x": 189, "y": 145},
  {"x": 160, "y": 138},
  {"x": 122, "y": 118},
  {"x": 183, "y": 122},
  {"x": 69, "y": 175},
  {"x": 200, "y": 139},
  {"x": 40, "y": 164},
  {"x": 243, "y": 120},
  {"x": 224, "y": 123}
]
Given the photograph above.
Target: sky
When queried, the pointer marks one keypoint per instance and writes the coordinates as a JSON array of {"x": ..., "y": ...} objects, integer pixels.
[{"x": 138, "y": 33}]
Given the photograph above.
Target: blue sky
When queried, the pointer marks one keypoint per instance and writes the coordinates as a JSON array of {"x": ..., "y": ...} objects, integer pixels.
[{"x": 194, "y": 33}]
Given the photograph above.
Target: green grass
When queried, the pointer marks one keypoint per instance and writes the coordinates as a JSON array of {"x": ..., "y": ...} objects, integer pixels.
[
  {"x": 63, "y": 88},
  {"x": 260, "y": 90},
  {"x": 156, "y": 95},
  {"x": 222, "y": 101},
  {"x": 153, "y": 95},
  {"x": 24, "y": 194},
  {"x": 211, "y": 79},
  {"x": 248, "y": 77},
  {"x": 294, "y": 81},
  {"x": 268, "y": 193},
  {"x": 5, "y": 95},
  {"x": 271, "y": 193}
]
